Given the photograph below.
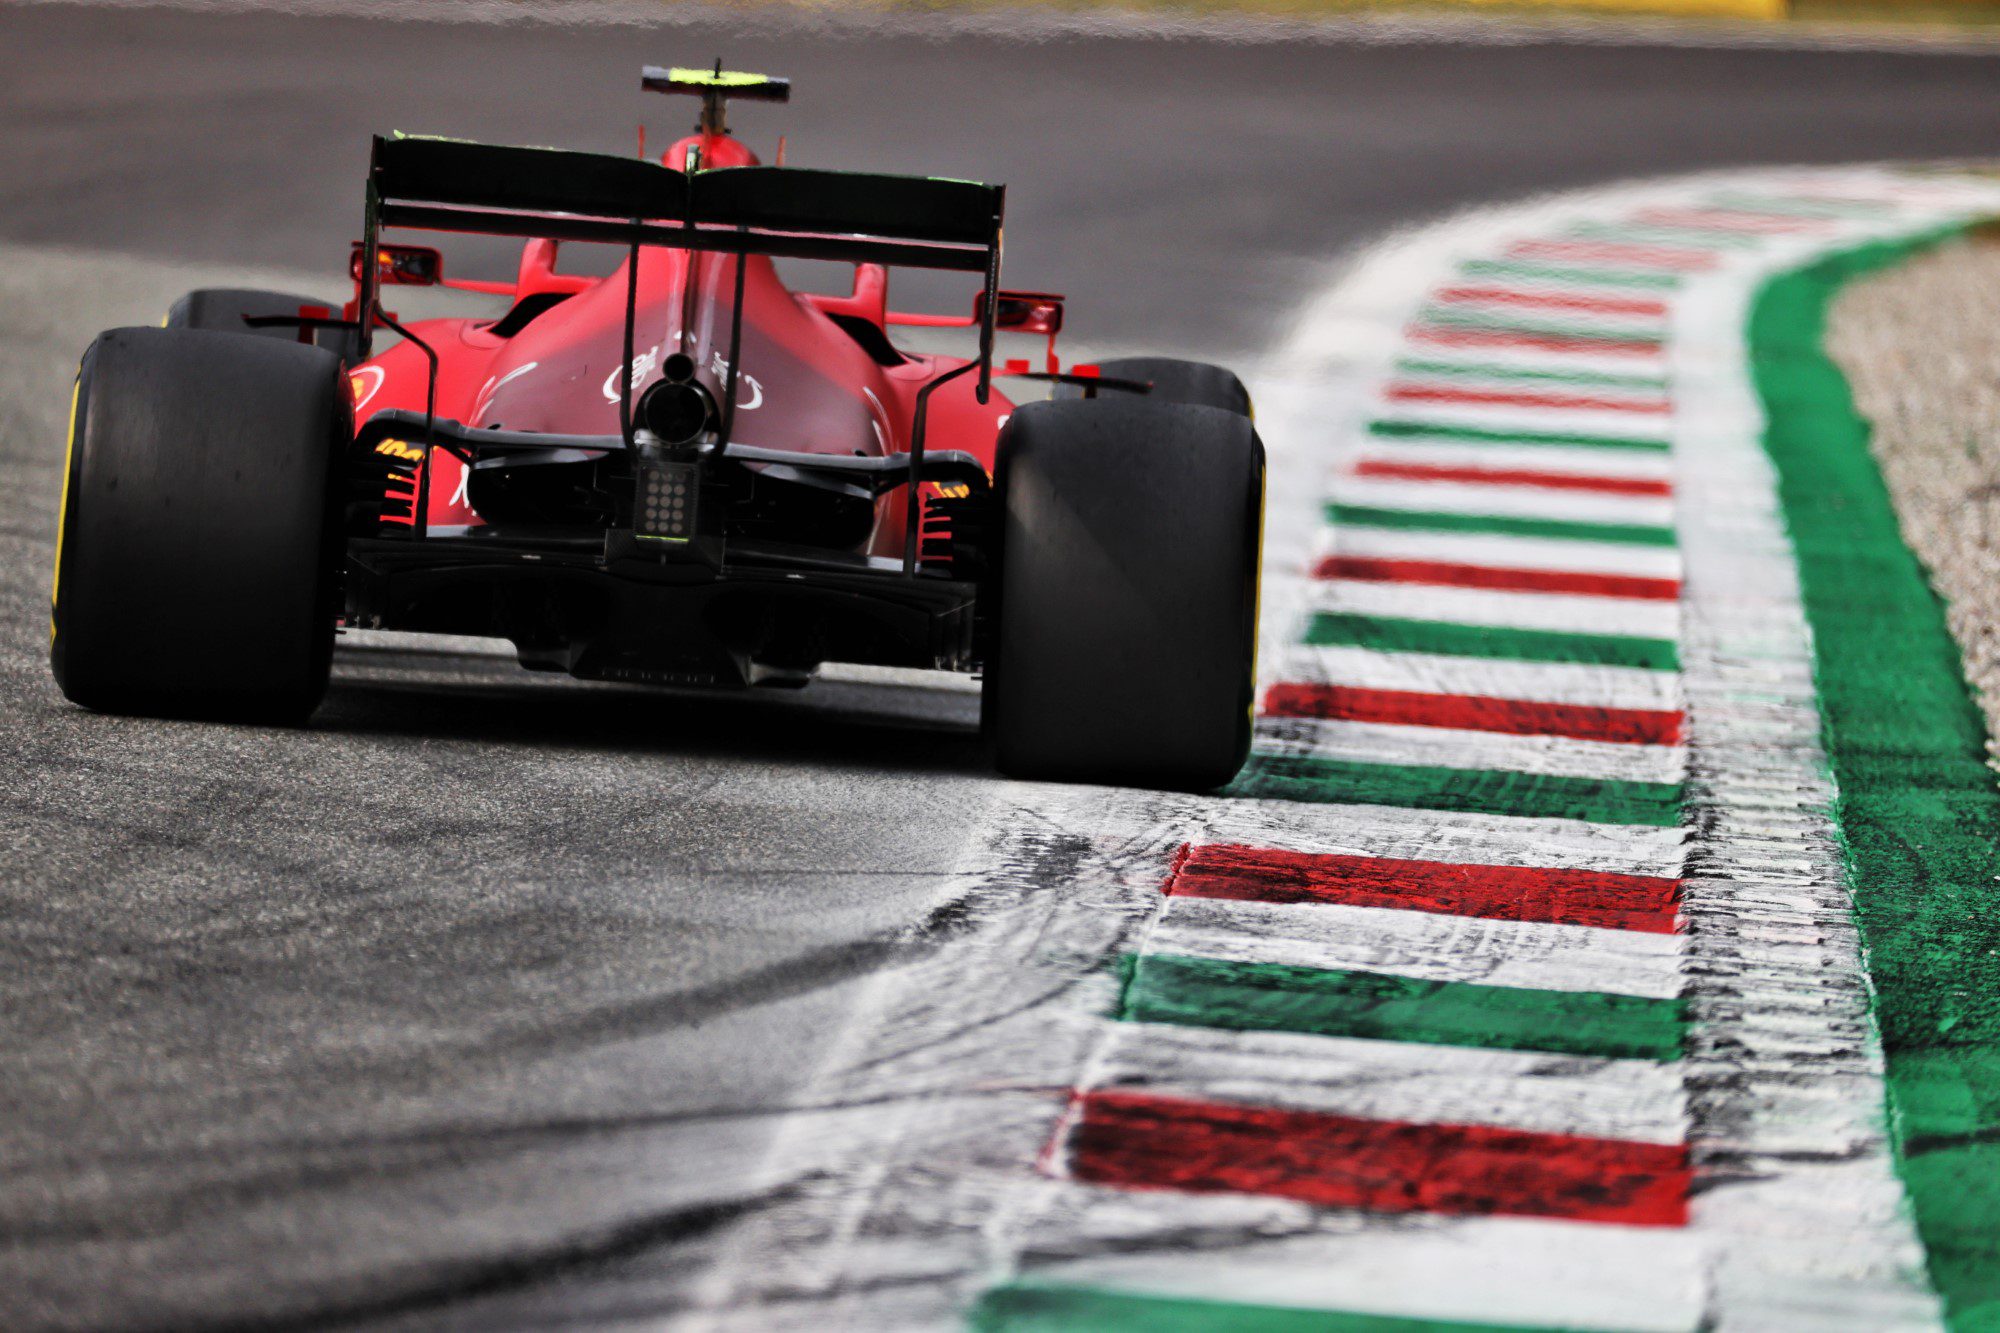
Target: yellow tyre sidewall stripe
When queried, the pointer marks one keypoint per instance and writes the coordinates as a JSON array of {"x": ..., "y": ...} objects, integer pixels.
[{"x": 62, "y": 512}]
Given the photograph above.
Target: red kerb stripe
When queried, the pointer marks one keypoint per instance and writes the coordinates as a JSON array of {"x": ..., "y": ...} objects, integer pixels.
[
  {"x": 1546, "y": 300},
  {"x": 1551, "y": 481},
  {"x": 1141, "y": 1141},
  {"x": 1542, "y": 342},
  {"x": 1730, "y": 219},
  {"x": 1555, "y": 402},
  {"x": 1502, "y": 893},
  {"x": 1615, "y": 252},
  {"x": 1443, "y": 573},
  {"x": 1466, "y": 712}
]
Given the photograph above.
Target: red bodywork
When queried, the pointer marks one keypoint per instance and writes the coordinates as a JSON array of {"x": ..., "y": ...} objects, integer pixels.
[{"x": 806, "y": 383}]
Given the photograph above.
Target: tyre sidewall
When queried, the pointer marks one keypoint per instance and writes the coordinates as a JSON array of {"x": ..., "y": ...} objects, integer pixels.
[
  {"x": 1128, "y": 591},
  {"x": 201, "y": 542}
]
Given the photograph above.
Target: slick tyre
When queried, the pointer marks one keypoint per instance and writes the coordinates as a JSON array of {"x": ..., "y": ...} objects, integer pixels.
[
  {"x": 1125, "y": 641},
  {"x": 223, "y": 310},
  {"x": 1193, "y": 382},
  {"x": 197, "y": 560}
]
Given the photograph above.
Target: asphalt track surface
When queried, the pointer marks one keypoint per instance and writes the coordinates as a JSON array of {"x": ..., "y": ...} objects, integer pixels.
[{"x": 486, "y": 989}]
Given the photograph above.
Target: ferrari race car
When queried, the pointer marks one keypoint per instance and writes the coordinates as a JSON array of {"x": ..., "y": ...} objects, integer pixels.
[{"x": 683, "y": 473}]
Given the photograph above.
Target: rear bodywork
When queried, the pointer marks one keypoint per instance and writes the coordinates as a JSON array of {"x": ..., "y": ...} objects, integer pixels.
[{"x": 832, "y": 507}]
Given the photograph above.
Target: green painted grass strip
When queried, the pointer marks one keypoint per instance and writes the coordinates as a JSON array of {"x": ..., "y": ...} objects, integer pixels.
[
  {"x": 1512, "y": 525},
  {"x": 1392, "y": 634},
  {"x": 1636, "y": 332},
  {"x": 1031, "y": 1307},
  {"x": 1591, "y": 277},
  {"x": 1478, "y": 791},
  {"x": 1273, "y": 997},
  {"x": 1515, "y": 374},
  {"x": 1394, "y": 428},
  {"x": 1918, "y": 810}
]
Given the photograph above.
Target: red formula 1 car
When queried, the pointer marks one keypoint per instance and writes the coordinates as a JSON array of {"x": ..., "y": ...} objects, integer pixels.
[{"x": 682, "y": 473}]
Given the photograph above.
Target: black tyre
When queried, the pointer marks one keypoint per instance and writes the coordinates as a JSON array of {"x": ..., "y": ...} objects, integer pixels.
[
  {"x": 198, "y": 556},
  {"x": 223, "y": 310},
  {"x": 1173, "y": 381},
  {"x": 1125, "y": 642}
]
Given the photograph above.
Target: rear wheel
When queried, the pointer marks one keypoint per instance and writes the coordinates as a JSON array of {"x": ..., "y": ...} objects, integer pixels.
[
  {"x": 198, "y": 554},
  {"x": 1127, "y": 618},
  {"x": 223, "y": 310},
  {"x": 1174, "y": 381}
]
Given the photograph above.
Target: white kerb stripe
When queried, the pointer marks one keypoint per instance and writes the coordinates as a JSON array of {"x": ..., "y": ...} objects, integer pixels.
[
  {"x": 1564, "y": 459},
  {"x": 1634, "y": 1100},
  {"x": 1450, "y": 836},
  {"x": 1464, "y": 497},
  {"x": 1494, "y": 678},
  {"x": 1474, "y": 751},
  {"x": 1423, "y": 946},
  {"x": 1501, "y": 551},
  {"x": 1529, "y": 1272}
]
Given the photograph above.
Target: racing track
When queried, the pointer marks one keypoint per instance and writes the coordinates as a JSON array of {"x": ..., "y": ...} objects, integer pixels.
[{"x": 489, "y": 987}]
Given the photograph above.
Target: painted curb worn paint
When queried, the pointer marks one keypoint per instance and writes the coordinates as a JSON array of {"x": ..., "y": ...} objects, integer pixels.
[
  {"x": 1515, "y": 984},
  {"x": 1265, "y": 959}
]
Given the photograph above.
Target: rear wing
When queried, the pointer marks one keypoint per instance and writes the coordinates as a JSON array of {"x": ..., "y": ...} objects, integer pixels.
[
  {"x": 451, "y": 185},
  {"x": 910, "y": 221}
]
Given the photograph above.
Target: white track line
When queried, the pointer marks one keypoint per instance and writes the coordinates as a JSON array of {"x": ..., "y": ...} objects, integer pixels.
[{"x": 1815, "y": 1234}]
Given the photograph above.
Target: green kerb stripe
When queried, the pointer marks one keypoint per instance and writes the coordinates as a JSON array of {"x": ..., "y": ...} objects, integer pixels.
[
  {"x": 1786, "y": 205},
  {"x": 1029, "y": 1307},
  {"x": 1629, "y": 534},
  {"x": 1272, "y": 997},
  {"x": 1513, "y": 374},
  {"x": 1477, "y": 790},
  {"x": 1444, "y": 317},
  {"x": 1592, "y": 277},
  {"x": 1389, "y": 634},
  {"x": 1686, "y": 236},
  {"x": 1918, "y": 810},
  {"x": 1396, "y": 429}
]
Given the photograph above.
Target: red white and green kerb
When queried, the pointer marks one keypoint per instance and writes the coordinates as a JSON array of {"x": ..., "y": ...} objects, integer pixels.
[{"x": 1516, "y": 984}]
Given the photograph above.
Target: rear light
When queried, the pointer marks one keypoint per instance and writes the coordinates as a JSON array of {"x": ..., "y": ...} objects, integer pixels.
[{"x": 665, "y": 506}]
